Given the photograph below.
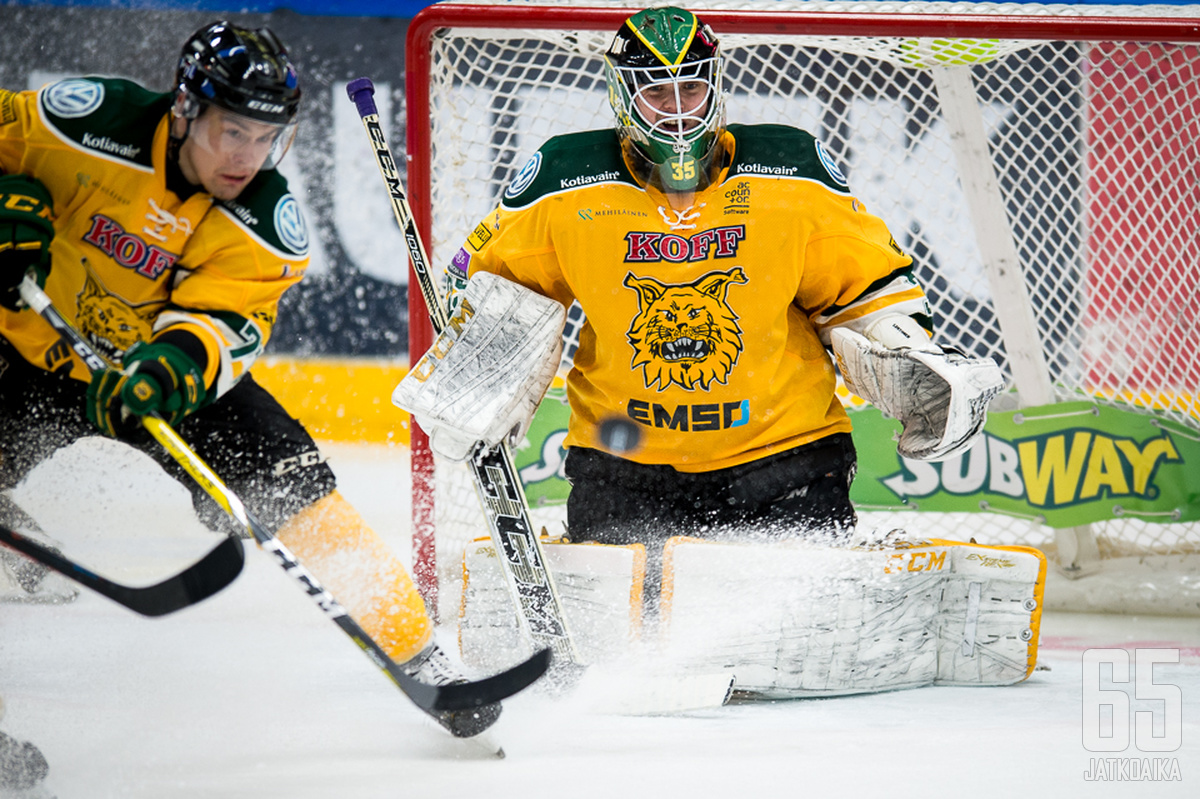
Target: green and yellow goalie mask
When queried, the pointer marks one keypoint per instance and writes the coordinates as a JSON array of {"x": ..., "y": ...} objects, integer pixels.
[{"x": 664, "y": 84}]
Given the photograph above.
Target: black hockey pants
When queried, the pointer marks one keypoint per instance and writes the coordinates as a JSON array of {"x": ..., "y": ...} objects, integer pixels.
[
  {"x": 264, "y": 455},
  {"x": 801, "y": 493}
]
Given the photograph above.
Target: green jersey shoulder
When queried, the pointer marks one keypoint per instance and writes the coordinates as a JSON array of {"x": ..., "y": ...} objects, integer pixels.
[
  {"x": 785, "y": 152},
  {"x": 109, "y": 117},
  {"x": 566, "y": 163},
  {"x": 269, "y": 211}
]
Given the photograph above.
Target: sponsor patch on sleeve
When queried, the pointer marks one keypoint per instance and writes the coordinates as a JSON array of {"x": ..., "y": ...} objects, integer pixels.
[
  {"x": 74, "y": 98},
  {"x": 525, "y": 176},
  {"x": 289, "y": 223},
  {"x": 479, "y": 237},
  {"x": 8, "y": 114},
  {"x": 460, "y": 264}
]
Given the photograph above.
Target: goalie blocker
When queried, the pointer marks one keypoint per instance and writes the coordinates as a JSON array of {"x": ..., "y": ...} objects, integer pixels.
[
  {"x": 941, "y": 397},
  {"x": 487, "y": 371}
]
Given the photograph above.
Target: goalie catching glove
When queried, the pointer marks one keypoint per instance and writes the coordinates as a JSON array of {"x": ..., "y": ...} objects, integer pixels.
[
  {"x": 940, "y": 397},
  {"x": 487, "y": 371}
]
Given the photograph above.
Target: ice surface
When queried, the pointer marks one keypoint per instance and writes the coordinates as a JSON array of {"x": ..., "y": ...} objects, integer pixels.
[{"x": 255, "y": 693}]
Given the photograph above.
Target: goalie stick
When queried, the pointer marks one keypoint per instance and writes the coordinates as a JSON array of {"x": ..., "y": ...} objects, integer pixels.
[
  {"x": 495, "y": 476},
  {"x": 197, "y": 582},
  {"x": 454, "y": 696}
]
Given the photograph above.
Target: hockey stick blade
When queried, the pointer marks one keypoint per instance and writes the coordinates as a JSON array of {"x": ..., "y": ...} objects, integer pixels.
[
  {"x": 489, "y": 690},
  {"x": 198, "y": 582}
]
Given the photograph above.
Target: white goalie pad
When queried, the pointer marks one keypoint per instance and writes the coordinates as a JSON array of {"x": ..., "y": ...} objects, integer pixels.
[
  {"x": 794, "y": 621},
  {"x": 600, "y": 587},
  {"x": 787, "y": 620},
  {"x": 485, "y": 374},
  {"x": 941, "y": 398}
]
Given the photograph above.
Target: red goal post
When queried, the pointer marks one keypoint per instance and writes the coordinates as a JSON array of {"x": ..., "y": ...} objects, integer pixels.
[{"x": 1039, "y": 162}]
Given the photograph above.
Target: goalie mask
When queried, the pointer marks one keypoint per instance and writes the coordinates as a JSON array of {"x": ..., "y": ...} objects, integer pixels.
[
  {"x": 663, "y": 70},
  {"x": 246, "y": 73}
]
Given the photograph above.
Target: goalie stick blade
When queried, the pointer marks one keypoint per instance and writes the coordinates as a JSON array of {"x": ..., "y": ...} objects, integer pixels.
[
  {"x": 198, "y": 582},
  {"x": 468, "y": 695}
]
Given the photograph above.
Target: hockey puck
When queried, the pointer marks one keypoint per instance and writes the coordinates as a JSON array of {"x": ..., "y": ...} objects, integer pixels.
[{"x": 620, "y": 435}]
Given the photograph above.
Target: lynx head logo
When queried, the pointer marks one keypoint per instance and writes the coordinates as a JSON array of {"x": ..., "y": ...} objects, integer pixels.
[
  {"x": 109, "y": 324},
  {"x": 685, "y": 334}
]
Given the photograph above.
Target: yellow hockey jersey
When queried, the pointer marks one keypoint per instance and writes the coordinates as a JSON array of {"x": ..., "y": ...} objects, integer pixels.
[
  {"x": 131, "y": 259},
  {"x": 707, "y": 325}
]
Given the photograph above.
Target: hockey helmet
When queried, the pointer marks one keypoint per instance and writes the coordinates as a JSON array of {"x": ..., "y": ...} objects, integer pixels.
[
  {"x": 664, "y": 70},
  {"x": 241, "y": 71}
]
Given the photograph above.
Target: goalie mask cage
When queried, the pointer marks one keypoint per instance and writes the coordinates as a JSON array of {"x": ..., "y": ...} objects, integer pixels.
[{"x": 1041, "y": 164}]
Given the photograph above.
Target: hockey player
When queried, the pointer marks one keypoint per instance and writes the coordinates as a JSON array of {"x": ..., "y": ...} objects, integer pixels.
[
  {"x": 716, "y": 264},
  {"x": 159, "y": 226}
]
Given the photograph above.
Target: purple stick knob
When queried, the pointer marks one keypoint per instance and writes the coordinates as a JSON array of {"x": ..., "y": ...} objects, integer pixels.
[{"x": 362, "y": 92}]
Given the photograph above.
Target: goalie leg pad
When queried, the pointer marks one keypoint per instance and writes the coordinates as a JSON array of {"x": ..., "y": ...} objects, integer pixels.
[
  {"x": 487, "y": 371},
  {"x": 794, "y": 620},
  {"x": 600, "y": 587}
]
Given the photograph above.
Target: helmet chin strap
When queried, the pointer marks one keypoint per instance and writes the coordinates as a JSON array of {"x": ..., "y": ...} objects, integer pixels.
[
  {"x": 175, "y": 143},
  {"x": 183, "y": 108}
]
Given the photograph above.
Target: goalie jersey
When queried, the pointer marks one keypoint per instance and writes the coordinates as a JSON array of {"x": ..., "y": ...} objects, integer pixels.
[
  {"x": 707, "y": 325},
  {"x": 131, "y": 258}
]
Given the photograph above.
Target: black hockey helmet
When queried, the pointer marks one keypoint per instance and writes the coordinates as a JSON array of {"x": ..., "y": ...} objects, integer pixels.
[{"x": 243, "y": 71}]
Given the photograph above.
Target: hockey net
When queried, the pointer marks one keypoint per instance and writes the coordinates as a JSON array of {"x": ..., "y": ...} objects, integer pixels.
[{"x": 1076, "y": 265}]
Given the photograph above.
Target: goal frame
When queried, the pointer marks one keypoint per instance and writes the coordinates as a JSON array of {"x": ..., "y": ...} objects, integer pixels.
[{"x": 430, "y": 20}]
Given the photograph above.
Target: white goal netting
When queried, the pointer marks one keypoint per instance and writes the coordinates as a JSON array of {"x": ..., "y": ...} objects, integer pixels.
[{"x": 1043, "y": 170}]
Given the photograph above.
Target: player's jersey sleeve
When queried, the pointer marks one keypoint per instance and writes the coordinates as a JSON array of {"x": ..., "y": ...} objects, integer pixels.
[
  {"x": 14, "y": 122},
  {"x": 856, "y": 273},
  {"x": 232, "y": 273},
  {"x": 522, "y": 238},
  {"x": 851, "y": 268}
]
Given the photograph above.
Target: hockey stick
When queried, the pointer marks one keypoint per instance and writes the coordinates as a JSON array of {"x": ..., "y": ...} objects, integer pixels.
[
  {"x": 199, "y": 581},
  {"x": 457, "y": 696},
  {"x": 496, "y": 482}
]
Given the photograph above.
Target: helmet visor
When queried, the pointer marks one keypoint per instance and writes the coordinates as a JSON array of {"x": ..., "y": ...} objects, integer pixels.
[{"x": 240, "y": 140}]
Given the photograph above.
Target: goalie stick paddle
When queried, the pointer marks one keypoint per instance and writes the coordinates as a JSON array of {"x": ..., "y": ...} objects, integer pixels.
[
  {"x": 199, "y": 581},
  {"x": 496, "y": 481},
  {"x": 455, "y": 696}
]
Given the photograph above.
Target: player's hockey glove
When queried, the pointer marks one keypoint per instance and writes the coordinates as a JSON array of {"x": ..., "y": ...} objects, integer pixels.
[
  {"x": 940, "y": 396},
  {"x": 26, "y": 229},
  {"x": 158, "y": 377}
]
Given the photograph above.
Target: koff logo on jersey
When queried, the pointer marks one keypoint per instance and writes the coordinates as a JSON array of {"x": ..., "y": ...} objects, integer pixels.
[
  {"x": 650, "y": 246},
  {"x": 128, "y": 249}
]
